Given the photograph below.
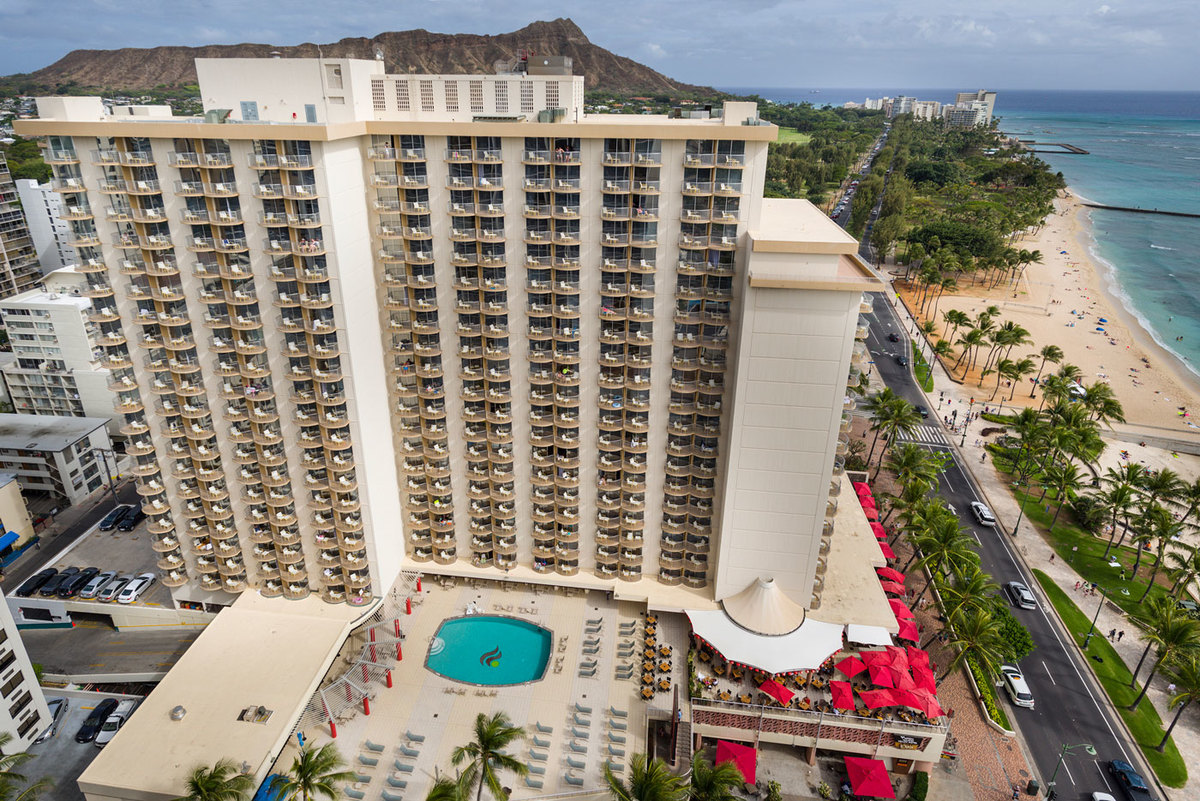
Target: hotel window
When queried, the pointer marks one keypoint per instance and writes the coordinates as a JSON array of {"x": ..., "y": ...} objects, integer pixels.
[
  {"x": 477, "y": 96},
  {"x": 402, "y": 95},
  {"x": 526, "y": 96},
  {"x": 551, "y": 94},
  {"x": 427, "y": 96},
  {"x": 377, "y": 96},
  {"x": 501, "y": 88},
  {"x": 451, "y": 96},
  {"x": 28, "y": 724}
]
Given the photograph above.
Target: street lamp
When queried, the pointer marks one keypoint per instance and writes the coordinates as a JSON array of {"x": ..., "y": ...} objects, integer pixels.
[
  {"x": 1061, "y": 756},
  {"x": 1091, "y": 631}
]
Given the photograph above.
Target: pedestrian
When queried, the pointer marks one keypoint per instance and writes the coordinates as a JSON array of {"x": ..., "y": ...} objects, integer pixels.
[
  {"x": 1120, "y": 634},
  {"x": 1112, "y": 635},
  {"x": 1052, "y": 558},
  {"x": 1077, "y": 585},
  {"x": 1171, "y": 690},
  {"x": 982, "y": 458}
]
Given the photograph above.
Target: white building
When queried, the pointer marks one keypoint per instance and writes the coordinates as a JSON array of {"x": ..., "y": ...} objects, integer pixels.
[
  {"x": 23, "y": 711},
  {"x": 981, "y": 96},
  {"x": 61, "y": 459},
  {"x": 43, "y": 213},
  {"x": 55, "y": 364},
  {"x": 18, "y": 257}
]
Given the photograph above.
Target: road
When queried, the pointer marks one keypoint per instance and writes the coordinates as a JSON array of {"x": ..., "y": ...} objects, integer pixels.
[{"x": 1068, "y": 711}]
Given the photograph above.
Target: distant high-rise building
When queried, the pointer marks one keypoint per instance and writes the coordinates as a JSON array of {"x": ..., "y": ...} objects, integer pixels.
[
  {"x": 18, "y": 256},
  {"x": 357, "y": 321},
  {"x": 24, "y": 713},
  {"x": 988, "y": 99},
  {"x": 43, "y": 214}
]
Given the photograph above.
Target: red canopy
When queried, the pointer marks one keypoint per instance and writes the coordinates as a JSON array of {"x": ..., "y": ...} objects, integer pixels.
[
  {"x": 851, "y": 666},
  {"x": 869, "y": 777},
  {"x": 777, "y": 691},
  {"x": 894, "y": 587},
  {"x": 886, "y": 549},
  {"x": 743, "y": 757},
  {"x": 901, "y": 679},
  {"x": 929, "y": 704},
  {"x": 880, "y": 533},
  {"x": 924, "y": 679},
  {"x": 890, "y": 573},
  {"x": 881, "y": 658},
  {"x": 860, "y": 487},
  {"x": 843, "y": 694},
  {"x": 908, "y": 631},
  {"x": 875, "y": 699},
  {"x": 871, "y": 512},
  {"x": 899, "y": 657},
  {"x": 917, "y": 656},
  {"x": 881, "y": 675},
  {"x": 899, "y": 608},
  {"x": 907, "y": 698},
  {"x": 867, "y": 500}
]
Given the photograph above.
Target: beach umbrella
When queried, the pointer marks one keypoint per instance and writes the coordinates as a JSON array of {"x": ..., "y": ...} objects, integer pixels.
[
  {"x": 851, "y": 666},
  {"x": 743, "y": 757},
  {"x": 899, "y": 608},
  {"x": 907, "y": 698},
  {"x": 880, "y": 533},
  {"x": 880, "y": 658},
  {"x": 777, "y": 691},
  {"x": 893, "y": 587},
  {"x": 889, "y": 573},
  {"x": 917, "y": 656},
  {"x": 867, "y": 502},
  {"x": 924, "y": 679},
  {"x": 908, "y": 631},
  {"x": 886, "y": 550},
  {"x": 1103, "y": 320},
  {"x": 860, "y": 487},
  {"x": 877, "y": 699},
  {"x": 901, "y": 679},
  {"x": 899, "y": 656},
  {"x": 843, "y": 694},
  {"x": 881, "y": 675},
  {"x": 928, "y": 703},
  {"x": 871, "y": 512},
  {"x": 869, "y": 777}
]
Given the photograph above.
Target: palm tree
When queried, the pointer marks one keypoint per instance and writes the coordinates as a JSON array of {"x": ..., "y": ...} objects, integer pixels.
[
  {"x": 445, "y": 789},
  {"x": 1164, "y": 528},
  {"x": 1184, "y": 673},
  {"x": 1179, "y": 635},
  {"x": 1182, "y": 568},
  {"x": 221, "y": 782},
  {"x": 970, "y": 589},
  {"x": 910, "y": 495},
  {"x": 1119, "y": 500},
  {"x": 977, "y": 635},
  {"x": 899, "y": 417},
  {"x": 877, "y": 409},
  {"x": 912, "y": 464},
  {"x": 11, "y": 777},
  {"x": 1049, "y": 353},
  {"x": 1065, "y": 480},
  {"x": 648, "y": 781},
  {"x": 1020, "y": 369},
  {"x": 956, "y": 319},
  {"x": 314, "y": 772},
  {"x": 1100, "y": 400},
  {"x": 972, "y": 339},
  {"x": 714, "y": 782},
  {"x": 486, "y": 753}
]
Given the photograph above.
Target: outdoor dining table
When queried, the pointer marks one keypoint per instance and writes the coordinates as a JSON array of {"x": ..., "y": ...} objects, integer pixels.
[
  {"x": 665, "y": 667},
  {"x": 648, "y": 653},
  {"x": 664, "y": 684},
  {"x": 665, "y": 650},
  {"x": 647, "y": 692},
  {"x": 745, "y": 698},
  {"x": 647, "y": 678}
]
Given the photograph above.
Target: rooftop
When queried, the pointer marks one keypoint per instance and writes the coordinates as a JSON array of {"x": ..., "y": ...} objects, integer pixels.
[
  {"x": 796, "y": 246},
  {"x": 29, "y": 432}
]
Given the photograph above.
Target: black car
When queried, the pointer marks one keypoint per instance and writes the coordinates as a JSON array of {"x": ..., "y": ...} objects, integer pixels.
[
  {"x": 893, "y": 337},
  {"x": 35, "y": 582},
  {"x": 112, "y": 518},
  {"x": 51, "y": 586},
  {"x": 1131, "y": 781},
  {"x": 902, "y": 361},
  {"x": 95, "y": 719},
  {"x": 923, "y": 411},
  {"x": 130, "y": 521},
  {"x": 71, "y": 587}
]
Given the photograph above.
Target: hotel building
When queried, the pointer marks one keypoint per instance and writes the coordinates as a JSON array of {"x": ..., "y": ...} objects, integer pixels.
[
  {"x": 359, "y": 322},
  {"x": 18, "y": 257}
]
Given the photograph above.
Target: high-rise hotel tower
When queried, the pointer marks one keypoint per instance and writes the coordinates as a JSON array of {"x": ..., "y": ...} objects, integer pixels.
[{"x": 359, "y": 321}]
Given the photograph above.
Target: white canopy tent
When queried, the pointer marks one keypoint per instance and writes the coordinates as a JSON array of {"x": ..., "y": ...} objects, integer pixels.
[
  {"x": 868, "y": 635},
  {"x": 805, "y": 648}
]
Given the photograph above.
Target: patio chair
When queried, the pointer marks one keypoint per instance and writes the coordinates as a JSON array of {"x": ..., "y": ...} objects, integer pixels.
[
  {"x": 352, "y": 793},
  {"x": 574, "y": 781},
  {"x": 614, "y": 751},
  {"x": 616, "y": 738},
  {"x": 539, "y": 770},
  {"x": 408, "y": 752},
  {"x": 369, "y": 761},
  {"x": 615, "y": 767},
  {"x": 591, "y": 629},
  {"x": 391, "y": 796},
  {"x": 586, "y": 710},
  {"x": 370, "y": 746},
  {"x": 416, "y": 738},
  {"x": 587, "y": 674},
  {"x": 581, "y": 720},
  {"x": 543, "y": 729},
  {"x": 588, "y": 663},
  {"x": 362, "y": 778},
  {"x": 576, "y": 763},
  {"x": 577, "y": 747},
  {"x": 619, "y": 725},
  {"x": 538, "y": 755},
  {"x": 592, "y": 641},
  {"x": 394, "y": 782},
  {"x": 540, "y": 743},
  {"x": 402, "y": 767},
  {"x": 591, "y": 650},
  {"x": 581, "y": 733},
  {"x": 532, "y": 782}
]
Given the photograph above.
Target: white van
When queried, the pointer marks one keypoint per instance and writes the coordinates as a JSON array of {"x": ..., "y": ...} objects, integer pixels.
[{"x": 115, "y": 721}]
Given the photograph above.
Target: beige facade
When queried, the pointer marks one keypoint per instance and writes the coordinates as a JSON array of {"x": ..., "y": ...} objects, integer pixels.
[
  {"x": 19, "y": 269},
  {"x": 492, "y": 339},
  {"x": 23, "y": 713},
  {"x": 14, "y": 516}
]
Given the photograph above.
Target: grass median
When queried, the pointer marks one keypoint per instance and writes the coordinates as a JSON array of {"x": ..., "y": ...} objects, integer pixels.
[{"x": 1114, "y": 677}]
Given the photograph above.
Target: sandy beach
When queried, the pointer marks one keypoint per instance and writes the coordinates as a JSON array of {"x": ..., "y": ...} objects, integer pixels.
[{"x": 1061, "y": 301}]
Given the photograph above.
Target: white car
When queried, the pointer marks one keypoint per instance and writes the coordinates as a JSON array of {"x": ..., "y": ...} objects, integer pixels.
[
  {"x": 983, "y": 514},
  {"x": 1098, "y": 796},
  {"x": 1015, "y": 684},
  {"x": 135, "y": 588}
]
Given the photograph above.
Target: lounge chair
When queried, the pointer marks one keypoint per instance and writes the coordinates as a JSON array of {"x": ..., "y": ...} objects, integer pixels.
[
  {"x": 532, "y": 782},
  {"x": 392, "y": 796},
  {"x": 352, "y": 793},
  {"x": 592, "y": 641},
  {"x": 591, "y": 650},
  {"x": 369, "y": 761},
  {"x": 394, "y": 782},
  {"x": 617, "y": 713},
  {"x": 615, "y": 767},
  {"x": 614, "y": 751},
  {"x": 577, "y": 747},
  {"x": 403, "y": 768},
  {"x": 538, "y": 755},
  {"x": 588, "y": 663},
  {"x": 539, "y": 770},
  {"x": 587, "y": 674},
  {"x": 619, "y": 725},
  {"x": 540, "y": 743},
  {"x": 416, "y": 738},
  {"x": 576, "y": 763},
  {"x": 599, "y": 621},
  {"x": 580, "y": 733},
  {"x": 574, "y": 781},
  {"x": 362, "y": 778},
  {"x": 586, "y": 710},
  {"x": 408, "y": 752},
  {"x": 581, "y": 720},
  {"x": 544, "y": 729},
  {"x": 616, "y": 738},
  {"x": 376, "y": 747}
]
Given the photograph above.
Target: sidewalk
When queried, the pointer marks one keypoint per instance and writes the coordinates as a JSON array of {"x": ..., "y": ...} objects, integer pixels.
[{"x": 1035, "y": 550}]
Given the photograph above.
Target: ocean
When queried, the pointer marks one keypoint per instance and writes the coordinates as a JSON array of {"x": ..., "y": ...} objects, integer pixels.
[{"x": 1144, "y": 151}]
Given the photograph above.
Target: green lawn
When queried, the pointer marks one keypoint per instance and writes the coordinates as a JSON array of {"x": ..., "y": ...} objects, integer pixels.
[
  {"x": 1114, "y": 676},
  {"x": 791, "y": 135}
]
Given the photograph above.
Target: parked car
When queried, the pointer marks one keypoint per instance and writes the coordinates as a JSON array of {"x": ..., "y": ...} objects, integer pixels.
[
  {"x": 1131, "y": 782},
  {"x": 1020, "y": 595},
  {"x": 135, "y": 588},
  {"x": 113, "y": 723},
  {"x": 35, "y": 582},
  {"x": 95, "y": 583},
  {"x": 983, "y": 515},
  {"x": 130, "y": 521},
  {"x": 112, "y": 518},
  {"x": 1014, "y": 683},
  {"x": 71, "y": 587},
  {"x": 112, "y": 589},
  {"x": 95, "y": 719},
  {"x": 58, "y": 708},
  {"x": 51, "y": 586}
]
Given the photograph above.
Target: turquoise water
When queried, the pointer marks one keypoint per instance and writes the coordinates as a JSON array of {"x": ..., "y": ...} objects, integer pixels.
[{"x": 490, "y": 650}]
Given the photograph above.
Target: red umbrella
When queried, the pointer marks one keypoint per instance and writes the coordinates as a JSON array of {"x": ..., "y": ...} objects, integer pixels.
[
  {"x": 851, "y": 666},
  {"x": 890, "y": 574},
  {"x": 875, "y": 699},
  {"x": 880, "y": 658},
  {"x": 917, "y": 656},
  {"x": 899, "y": 657},
  {"x": 906, "y": 698},
  {"x": 893, "y": 587},
  {"x": 860, "y": 487},
  {"x": 899, "y": 608},
  {"x": 743, "y": 757},
  {"x": 880, "y": 534},
  {"x": 777, "y": 691},
  {"x": 924, "y": 679},
  {"x": 869, "y": 777},
  {"x": 908, "y": 631},
  {"x": 929, "y": 704},
  {"x": 901, "y": 679},
  {"x": 881, "y": 675},
  {"x": 867, "y": 502},
  {"x": 871, "y": 512},
  {"x": 843, "y": 694}
]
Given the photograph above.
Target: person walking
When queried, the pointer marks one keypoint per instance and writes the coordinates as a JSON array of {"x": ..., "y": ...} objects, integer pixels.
[
  {"x": 1112, "y": 635},
  {"x": 1120, "y": 634}
]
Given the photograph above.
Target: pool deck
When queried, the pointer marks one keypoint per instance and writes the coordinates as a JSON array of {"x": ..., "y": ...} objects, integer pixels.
[{"x": 443, "y": 711}]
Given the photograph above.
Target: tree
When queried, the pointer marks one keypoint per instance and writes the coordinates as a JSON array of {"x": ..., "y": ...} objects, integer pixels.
[
  {"x": 1117, "y": 499},
  {"x": 648, "y": 781},
  {"x": 1101, "y": 401},
  {"x": 913, "y": 464},
  {"x": 712, "y": 782},
  {"x": 485, "y": 754},
  {"x": 314, "y": 772},
  {"x": 1184, "y": 673},
  {"x": 1049, "y": 353},
  {"x": 900, "y": 416},
  {"x": 11, "y": 777},
  {"x": 1065, "y": 480},
  {"x": 978, "y": 635},
  {"x": 970, "y": 588},
  {"x": 445, "y": 789},
  {"x": 1171, "y": 636},
  {"x": 956, "y": 319},
  {"x": 1020, "y": 369},
  {"x": 221, "y": 782}
]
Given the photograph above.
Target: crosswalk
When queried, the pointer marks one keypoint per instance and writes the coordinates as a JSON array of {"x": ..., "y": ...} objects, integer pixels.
[{"x": 924, "y": 435}]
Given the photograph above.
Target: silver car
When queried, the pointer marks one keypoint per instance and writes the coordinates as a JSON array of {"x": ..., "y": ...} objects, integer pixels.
[
  {"x": 112, "y": 589},
  {"x": 96, "y": 583}
]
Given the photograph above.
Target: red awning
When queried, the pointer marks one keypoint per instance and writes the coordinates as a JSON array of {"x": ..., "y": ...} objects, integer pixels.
[
  {"x": 890, "y": 573},
  {"x": 777, "y": 691},
  {"x": 743, "y": 757},
  {"x": 860, "y": 487},
  {"x": 894, "y": 587},
  {"x": 887, "y": 550},
  {"x": 869, "y": 777},
  {"x": 881, "y": 675},
  {"x": 843, "y": 694},
  {"x": 867, "y": 502},
  {"x": 908, "y": 631},
  {"x": 876, "y": 699},
  {"x": 899, "y": 608},
  {"x": 851, "y": 666},
  {"x": 880, "y": 533}
]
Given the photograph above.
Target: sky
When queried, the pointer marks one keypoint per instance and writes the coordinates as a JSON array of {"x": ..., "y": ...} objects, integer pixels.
[{"x": 998, "y": 44}]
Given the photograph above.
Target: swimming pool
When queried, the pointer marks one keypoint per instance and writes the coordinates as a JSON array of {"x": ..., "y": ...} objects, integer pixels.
[{"x": 490, "y": 650}]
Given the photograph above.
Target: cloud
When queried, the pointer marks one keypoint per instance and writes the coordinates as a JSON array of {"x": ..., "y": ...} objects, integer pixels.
[
  {"x": 656, "y": 50},
  {"x": 1105, "y": 10}
]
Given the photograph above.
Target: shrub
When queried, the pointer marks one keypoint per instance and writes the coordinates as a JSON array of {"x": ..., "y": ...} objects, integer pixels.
[
  {"x": 920, "y": 787},
  {"x": 1016, "y": 636},
  {"x": 987, "y": 693}
]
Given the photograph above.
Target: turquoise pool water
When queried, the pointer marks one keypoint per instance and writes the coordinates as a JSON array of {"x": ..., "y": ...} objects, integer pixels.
[{"x": 489, "y": 650}]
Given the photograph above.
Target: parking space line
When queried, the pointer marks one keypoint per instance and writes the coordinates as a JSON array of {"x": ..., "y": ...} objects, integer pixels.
[{"x": 1048, "y": 673}]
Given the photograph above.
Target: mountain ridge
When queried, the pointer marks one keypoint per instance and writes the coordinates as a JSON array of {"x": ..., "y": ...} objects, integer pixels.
[{"x": 412, "y": 51}]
